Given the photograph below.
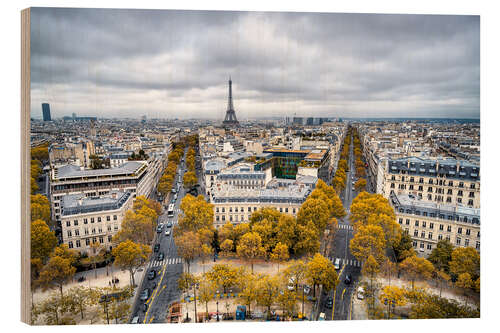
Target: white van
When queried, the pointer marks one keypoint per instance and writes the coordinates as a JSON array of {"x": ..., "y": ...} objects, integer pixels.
[
  {"x": 322, "y": 316},
  {"x": 337, "y": 264},
  {"x": 135, "y": 320}
]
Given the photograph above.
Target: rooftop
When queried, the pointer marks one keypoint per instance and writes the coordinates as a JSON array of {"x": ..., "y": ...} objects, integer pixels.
[
  {"x": 73, "y": 204},
  {"x": 72, "y": 171}
]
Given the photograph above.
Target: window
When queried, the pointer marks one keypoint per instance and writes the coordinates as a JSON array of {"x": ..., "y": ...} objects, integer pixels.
[
  {"x": 429, "y": 246},
  {"x": 467, "y": 232},
  {"x": 249, "y": 209},
  {"x": 448, "y": 238},
  {"x": 93, "y": 230},
  {"x": 414, "y": 244},
  {"x": 85, "y": 221},
  {"x": 449, "y": 228},
  {"x": 75, "y": 222},
  {"x": 70, "y": 244},
  {"x": 450, "y": 192},
  {"x": 420, "y": 188},
  {"x": 407, "y": 231},
  {"x": 430, "y": 235},
  {"x": 477, "y": 245},
  {"x": 68, "y": 223},
  {"x": 87, "y": 241},
  {"x": 77, "y": 232},
  {"x": 461, "y": 184},
  {"x": 294, "y": 210},
  {"x": 478, "y": 234},
  {"x": 416, "y": 223},
  {"x": 230, "y": 209},
  {"x": 101, "y": 239},
  {"x": 77, "y": 243},
  {"x": 69, "y": 233},
  {"x": 216, "y": 217},
  {"x": 231, "y": 218},
  {"x": 459, "y": 230},
  {"x": 431, "y": 225},
  {"x": 429, "y": 189},
  {"x": 460, "y": 193},
  {"x": 441, "y": 227},
  {"x": 407, "y": 221},
  {"x": 440, "y": 237},
  {"x": 109, "y": 227},
  {"x": 422, "y": 234},
  {"x": 86, "y": 230},
  {"x": 91, "y": 220},
  {"x": 286, "y": 209},
  {"x": 450, "y": 183},
  {"x": 100, "y": 229},
  {"x": 99, "y": 219},
  {"x": 115, "y": 217},
  {"x": 109, "y": 239},
  {"x": 458, "y": 240},
  {"x": 223, "y": 217},
  {"x": 415, "y": 233},
  {"x": 466, "y": 243},
  {"x": 424, "y": 224},
  {"x": 223, "y": 209},
  {"x": 108, "y": 218},
  {"x": 422, "y": 245},
  {"x": 471, "y": 203},
  {"x": 392, "y": 185},
  {"x": 400, "y": 220}
]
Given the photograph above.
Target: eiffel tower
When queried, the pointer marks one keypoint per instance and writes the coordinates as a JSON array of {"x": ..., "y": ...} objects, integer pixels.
[{"x": 230, "y": 119}]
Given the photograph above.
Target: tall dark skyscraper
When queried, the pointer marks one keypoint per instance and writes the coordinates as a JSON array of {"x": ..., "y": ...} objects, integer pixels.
[
  {"x": 230, "y": 119},
  {"x": 46, "y": 112}
]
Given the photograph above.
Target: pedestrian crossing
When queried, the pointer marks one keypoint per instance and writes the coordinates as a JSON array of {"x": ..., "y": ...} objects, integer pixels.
[
  {"x": 346, "y": 262},
  {"x": 345, "y": 226},
  {"x": 166, "y": 261}
]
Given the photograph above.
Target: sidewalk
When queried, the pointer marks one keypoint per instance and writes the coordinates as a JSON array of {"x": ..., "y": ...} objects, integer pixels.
[{"x": 101, "y": 281}]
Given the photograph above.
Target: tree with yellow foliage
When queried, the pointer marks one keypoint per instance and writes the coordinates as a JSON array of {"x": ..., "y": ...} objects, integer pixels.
[
  {"x": 43, "y": 241},
  {"x": 250, "y": 248},
  {"x": 280, "y": 253},
  {"x": 360, "y": 184},
  {"x": 188, "y": 246},
  {"x": 189, "y": 179},
  {"x": 320, "y": 272},
  {"x": 392, "y": 296},
  {"x": 135, "y": 227},
  {"x": 368, "y": 240},
  {"x": 40, "y": 208},
  {"x": 416, "y": 268},
  {"x": 56, "y": 273},
  {"x": 196, "y": 213},
  {"x": 130, "y": 256}
]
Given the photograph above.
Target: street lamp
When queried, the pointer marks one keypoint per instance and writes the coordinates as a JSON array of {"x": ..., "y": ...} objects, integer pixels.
[{"x": 217, "y": 303}]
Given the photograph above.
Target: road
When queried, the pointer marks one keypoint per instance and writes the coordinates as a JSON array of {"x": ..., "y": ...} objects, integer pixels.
[
  {"x": 168, "y": 270},
  {"x": 343, "y": 294}
]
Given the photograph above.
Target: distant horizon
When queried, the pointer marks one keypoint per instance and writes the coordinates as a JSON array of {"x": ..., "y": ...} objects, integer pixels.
[{"x": 177, "y": 63}]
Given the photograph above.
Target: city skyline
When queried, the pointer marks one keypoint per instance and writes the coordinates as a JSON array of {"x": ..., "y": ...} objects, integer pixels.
[{"x": 175, "y": 64}]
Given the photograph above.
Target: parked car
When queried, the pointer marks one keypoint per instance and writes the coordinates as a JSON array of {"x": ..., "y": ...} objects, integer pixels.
[
  {"x": 167, "y": 233},
  {"x": 135, "y": 320},
  {"x": 151, "y": 274},
  {"x": 159, "y": 228},
  {"x": 161, "y": 256},
  {"x": 329, "y": 303},
  {"x": 153, "y": 285},
  {"x": 322, "y": 316},
  {"x": 144, "y": 307},
  {"x": 157, "y": 247},
  {"x": 144, "y": 295},
  {"x": 169, "y": 224},
  {"x": 361, "y": 293},
  {"x": 348, "y": 279},
  {"x": 307, "y": 289}
]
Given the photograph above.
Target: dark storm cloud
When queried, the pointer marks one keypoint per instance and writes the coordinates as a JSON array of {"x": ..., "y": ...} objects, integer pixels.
[{"x": 176, "y": 63}]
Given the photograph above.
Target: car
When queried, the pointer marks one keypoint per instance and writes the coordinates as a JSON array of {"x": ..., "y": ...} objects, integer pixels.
[
  {"x": 322, "y": 316},
  {"x": 169, "y": 224},
  {"x": 144, "y": 295},
  {"x": 167, "y": 233},
  {"x": 361, "y": 293},
  {"x": 337, "y": 264},
  {"x": 144, "y": 307},
  {"x": 348, "y": 279},
  {"x": 159, "y": 228},
  {"x": 151, "y": 274},
  {"x": 161, "y": 256},
  {"x": 153, "y": 286},
  {"x": 135, "y": 320},
  {"x": 307, "y": 289},
  {"x": 291, "y": 284},
  {"x": 157, "y": 247},
  {"x": 329, "y": 303},
  {"x": 174, "y": 190}
]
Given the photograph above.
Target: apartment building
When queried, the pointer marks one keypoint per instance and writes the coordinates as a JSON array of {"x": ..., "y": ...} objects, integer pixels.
[
  {"x": 86, "y": 220},
  {"x": 131, "y": 176},
  {"x": 236, "y": 204},
  {"x": 444, "y": 181},
  {"x": 428, "y": 222}
]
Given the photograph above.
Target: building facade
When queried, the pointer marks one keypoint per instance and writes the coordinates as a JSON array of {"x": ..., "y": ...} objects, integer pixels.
[
  {"x": 428, "y": 222},
  {"x": 87, "y": 220},
  {"x": 445, "y": 181}
]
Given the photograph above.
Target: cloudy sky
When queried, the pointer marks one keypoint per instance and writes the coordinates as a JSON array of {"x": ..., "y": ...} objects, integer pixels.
[{"x": 129, "y": 63}]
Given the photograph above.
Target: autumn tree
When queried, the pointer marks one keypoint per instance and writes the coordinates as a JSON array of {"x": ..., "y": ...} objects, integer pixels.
[
  {"x": 368, "y": 240},
  {"x": 40, "y": 208},
  {"x": 142, "y": 201},
  {"x": 403, "y": 248},
  {"x": 393, "y": 296},
  {"x": 80, "y": 299},
  {"x": 314, "y": 210},
  {"x": 206, "y": 291},
  {"x": 442, "y": 279},
  {"x": 135, "y": 227},
  {"x": 280, "y": 253},
  {"x": 307, "y": 239},
  {"x": 223, "y": 276},
  {"x": 53, "y": 308},
  {"x": 464, "y": 282},
  {"x": 360, "y": 184},
  {"x": 320, "y": 272},
  {"x": 287, "y": 300},
  {"x": 43, "y": 241},
  {"x": 417, "y": 268},
  {"x": 56, "y": 273},
  {"x": 189, "y": 179},
  {"x": 196, "y": 213},
  {"x": 287, "y": 235},
  {"x": 268, "y": 288},
  {"x": 371, "y": 268},
  {"x": 130, "y": 256},
  {"x": 248, "y": 289},
  {"x": 465, "y": 260},
  {"x": 188, "y": 246},
  {"x": 250, "y": 248},
  {"x": 267, "y": 213},
  {"x": 227, "y": 247},
  {"x": 267, "y": 233}
]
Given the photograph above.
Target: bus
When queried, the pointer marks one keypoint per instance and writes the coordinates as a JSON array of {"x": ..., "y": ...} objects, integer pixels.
[{"x": 170, "y": 211}]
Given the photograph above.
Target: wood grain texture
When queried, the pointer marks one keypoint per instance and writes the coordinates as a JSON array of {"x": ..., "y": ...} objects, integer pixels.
[{"x": 25, "y": 170}]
